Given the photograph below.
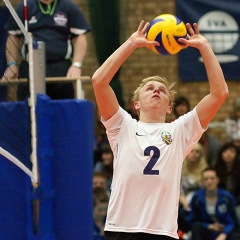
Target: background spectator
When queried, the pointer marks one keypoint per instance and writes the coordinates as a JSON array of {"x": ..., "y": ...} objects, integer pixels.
[
  {"x": 193, "y": 165},
  {"x": 106, "y": 166},
  {"x": 228, "y": 169},
  {"x": 100, "y": 180},
  {"x": 101, "y": 140},
  {"x": 4, "y": 13},
  {"x": 131, "y": 109},
  {"x": 100, "y": 204},
  {"x": 181, "y": 106},
  {"x": 233, "y": 123},
  {"x": 213, "y": 213},
  {"x": 211, "y": 146},
  {"x": 58, "y": 24}
]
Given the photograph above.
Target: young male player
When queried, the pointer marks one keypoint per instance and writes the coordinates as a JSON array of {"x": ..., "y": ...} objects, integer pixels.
[{"x": 148, "y": 154}]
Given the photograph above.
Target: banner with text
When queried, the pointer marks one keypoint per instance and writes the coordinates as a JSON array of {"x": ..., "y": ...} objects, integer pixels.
[{"x": 218, "y": 21}]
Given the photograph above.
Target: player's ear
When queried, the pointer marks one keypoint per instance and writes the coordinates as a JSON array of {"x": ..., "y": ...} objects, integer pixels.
[
  {"x": 137, "y": 105},
  {"x": 169, "y": 110}
]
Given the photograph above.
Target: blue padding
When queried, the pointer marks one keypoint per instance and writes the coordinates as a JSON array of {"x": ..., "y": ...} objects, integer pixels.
[
  {"x": 14, "y": 129},
  {"x": 65, "y": 154},
  {"x": 14, "y": 183},
  {"x": 72, "y": 169},
  {"x": 45, "y": 192},
  {"x": 13, "y": 208}
]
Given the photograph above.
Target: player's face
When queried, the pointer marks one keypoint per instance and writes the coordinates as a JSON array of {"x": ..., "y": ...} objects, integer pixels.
[
  {"x": 154, "y": 95},
  {"x": 210, "y": 180}
]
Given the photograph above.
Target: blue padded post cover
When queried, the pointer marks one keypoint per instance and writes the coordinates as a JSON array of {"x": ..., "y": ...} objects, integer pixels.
[
  {"x": 73, "y": 134},
  {"x": 14, "y": 183}
]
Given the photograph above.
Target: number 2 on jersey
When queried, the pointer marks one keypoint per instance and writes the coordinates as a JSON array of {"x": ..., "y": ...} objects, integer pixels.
[{"x": 148, "y": 170}]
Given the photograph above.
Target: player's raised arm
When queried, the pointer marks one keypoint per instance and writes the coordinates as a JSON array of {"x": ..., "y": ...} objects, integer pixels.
[
  {"x": 105, "y": 97},
  {"x": 209, "y": 105}
]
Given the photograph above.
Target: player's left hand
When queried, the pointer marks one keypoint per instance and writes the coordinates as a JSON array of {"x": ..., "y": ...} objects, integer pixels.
[
  {"x": 194, "y": 38},
  {"x": 74, "y": 72}
]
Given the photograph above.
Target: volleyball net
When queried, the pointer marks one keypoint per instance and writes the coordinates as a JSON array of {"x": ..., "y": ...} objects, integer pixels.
[{"x": 19, "y": 148}]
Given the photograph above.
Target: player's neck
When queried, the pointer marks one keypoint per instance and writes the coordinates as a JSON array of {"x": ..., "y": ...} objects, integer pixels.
[{"x": 152, "y": 117}]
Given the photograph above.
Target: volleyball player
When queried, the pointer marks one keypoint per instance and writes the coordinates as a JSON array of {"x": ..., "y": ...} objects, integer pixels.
[{"x": 148, "y": 153}]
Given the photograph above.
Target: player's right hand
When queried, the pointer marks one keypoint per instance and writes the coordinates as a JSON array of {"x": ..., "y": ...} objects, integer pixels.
[{"x": 139, "y": 39}]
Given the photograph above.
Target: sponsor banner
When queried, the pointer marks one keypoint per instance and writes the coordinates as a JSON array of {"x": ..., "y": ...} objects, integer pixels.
[{"x": 219, "y": 22}]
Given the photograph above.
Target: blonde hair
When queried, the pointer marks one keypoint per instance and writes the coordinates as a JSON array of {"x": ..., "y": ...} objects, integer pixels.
[
  {"x": 156, "y": 79},
  {"x": 202, "y": 164}
]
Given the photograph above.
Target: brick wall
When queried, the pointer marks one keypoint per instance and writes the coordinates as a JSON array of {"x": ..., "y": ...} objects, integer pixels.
[{"x": 143, "y": 62}]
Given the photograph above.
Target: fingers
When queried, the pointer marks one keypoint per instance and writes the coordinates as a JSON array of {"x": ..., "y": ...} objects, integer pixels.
[
  {"x": 152, "y": 43},
  {"x": 143, "y": 27},
  {"x": 184, "y": 42},
  {"x": 191, "y": 30},
  {"x": 196, "y": 28}
]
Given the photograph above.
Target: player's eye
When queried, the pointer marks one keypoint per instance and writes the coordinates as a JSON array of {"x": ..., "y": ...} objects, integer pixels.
[{"x": 163, "y": 90}]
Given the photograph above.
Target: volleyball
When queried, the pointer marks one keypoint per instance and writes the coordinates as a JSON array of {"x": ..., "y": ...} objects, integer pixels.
[{"x": 166, "y": 29}]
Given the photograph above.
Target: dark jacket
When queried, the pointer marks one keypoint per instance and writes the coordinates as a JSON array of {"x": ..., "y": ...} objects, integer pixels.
[{"x": 225, "y": 210}]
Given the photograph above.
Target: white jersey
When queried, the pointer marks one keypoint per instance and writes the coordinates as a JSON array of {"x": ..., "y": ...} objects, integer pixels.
[{"x": 147, "y": 164}]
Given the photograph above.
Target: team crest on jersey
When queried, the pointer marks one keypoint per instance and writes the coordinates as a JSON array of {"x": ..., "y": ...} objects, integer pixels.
[
  {"x": 60, "y": 19},
  {"x": 166, "y": 137}
]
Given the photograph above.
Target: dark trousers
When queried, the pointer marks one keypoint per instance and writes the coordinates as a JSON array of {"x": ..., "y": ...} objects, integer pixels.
[
  {"x": 133, "y": 236},
  {"x": 3, "y": 93},
  {"x": 183, "y": 219},
  {"x": 200, "y": 233},
  {"x": 53, "y": 90}
]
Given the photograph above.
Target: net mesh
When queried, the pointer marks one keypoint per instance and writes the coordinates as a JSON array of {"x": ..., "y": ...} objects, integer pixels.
[{"x": 17, "y": 141}]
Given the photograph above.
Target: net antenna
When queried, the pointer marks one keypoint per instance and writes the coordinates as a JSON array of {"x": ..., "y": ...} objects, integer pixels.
[{"x": 34, "y": 172}]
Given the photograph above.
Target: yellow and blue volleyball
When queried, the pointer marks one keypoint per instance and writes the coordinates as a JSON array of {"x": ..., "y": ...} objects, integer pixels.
[{"x": 166, "y": 29}]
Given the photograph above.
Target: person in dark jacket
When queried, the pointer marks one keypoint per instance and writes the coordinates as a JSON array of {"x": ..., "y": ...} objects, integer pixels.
[{"x": 213, "y": 211}]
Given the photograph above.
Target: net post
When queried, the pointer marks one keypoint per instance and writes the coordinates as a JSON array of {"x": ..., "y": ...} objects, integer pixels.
[
  {"x": 17, "y": 19},
  {"x": 79, "y": 89},
  {"x": 36, "y": 86},
  {"x": 39, "y": 67}
]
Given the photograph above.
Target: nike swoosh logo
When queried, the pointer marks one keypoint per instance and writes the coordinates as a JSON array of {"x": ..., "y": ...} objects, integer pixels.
[{"x": 140, "y": 135}]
